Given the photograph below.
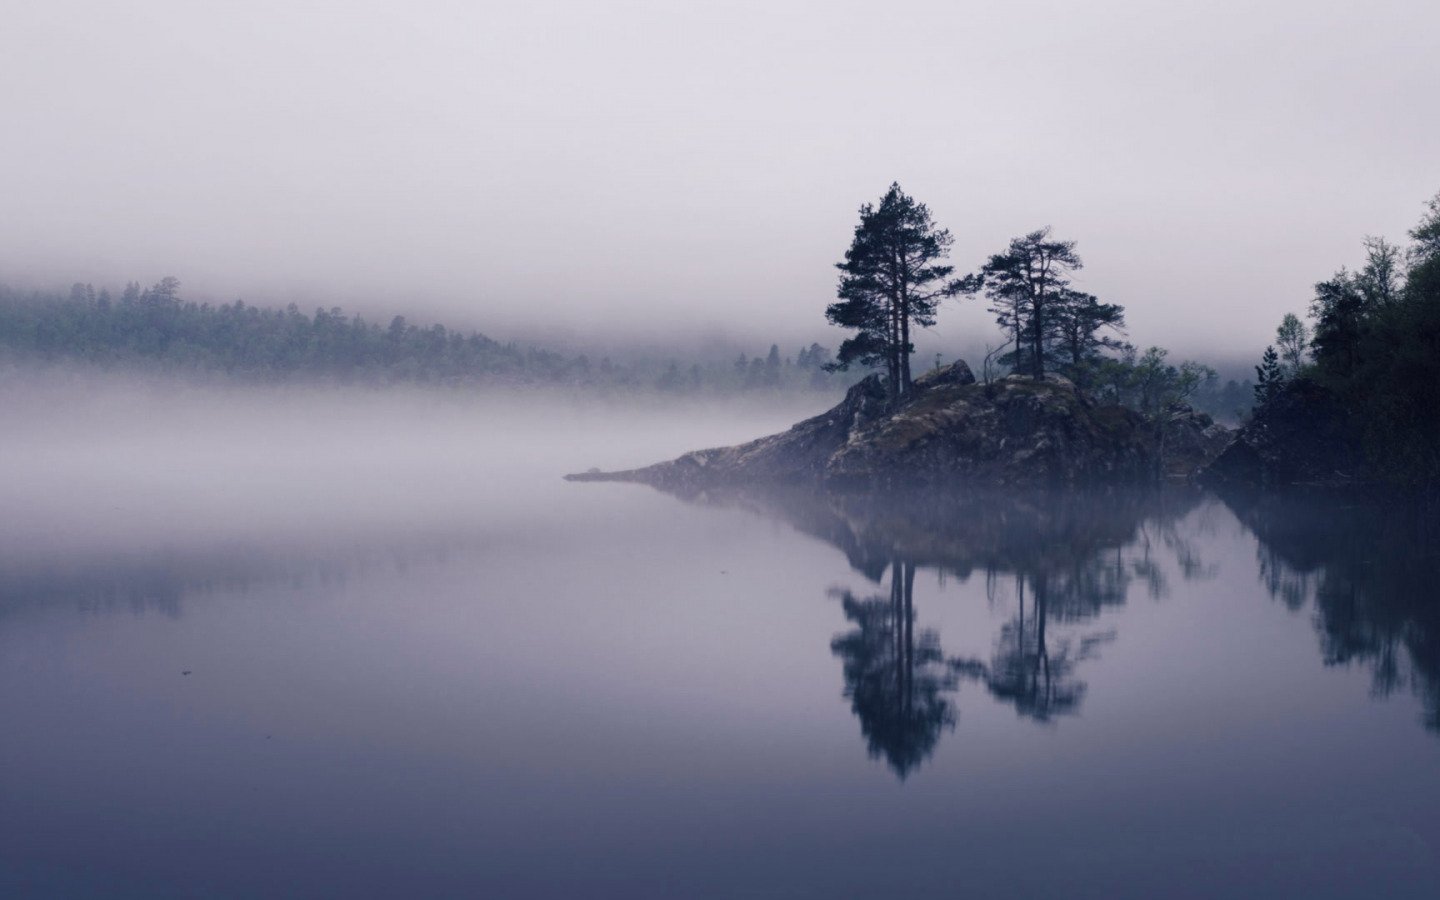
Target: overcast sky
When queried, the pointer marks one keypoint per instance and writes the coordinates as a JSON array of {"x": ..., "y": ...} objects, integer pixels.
[{"x": 682, "y": 167}]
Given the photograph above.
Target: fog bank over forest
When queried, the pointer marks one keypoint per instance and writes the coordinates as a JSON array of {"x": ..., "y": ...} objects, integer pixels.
[{"x": 635, "y": 174}]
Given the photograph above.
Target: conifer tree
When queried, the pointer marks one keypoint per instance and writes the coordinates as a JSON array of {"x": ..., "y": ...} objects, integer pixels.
[
  {"x": 1268, "y": 376},
  {"x": 1082, "y": 328},
  {"x": 892, "y": 280},
  {"x": 1027, "y": 285}
]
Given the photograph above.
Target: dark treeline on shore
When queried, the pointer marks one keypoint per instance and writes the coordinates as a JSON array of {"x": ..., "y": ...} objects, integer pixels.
[
  {"x": 155, "y": 330},
  {"x": 1367, "y": 362}
]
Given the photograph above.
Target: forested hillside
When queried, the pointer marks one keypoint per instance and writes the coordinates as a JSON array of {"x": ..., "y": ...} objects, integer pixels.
[{"x": 155, "y": 330}]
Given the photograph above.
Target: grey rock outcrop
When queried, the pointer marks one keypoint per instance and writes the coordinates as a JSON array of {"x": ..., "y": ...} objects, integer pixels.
[
  {"x": 957, "y": 373},
  {"x": 798, "y": 454},
  {"x": 1015, "y": 431},
  {"x": 1192, "y": 441}
]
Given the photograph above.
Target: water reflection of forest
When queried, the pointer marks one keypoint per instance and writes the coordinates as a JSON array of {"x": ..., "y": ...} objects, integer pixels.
[
  {"x": 1367, "y": 568},
  {"x": 163, "y": 580},
  {"x": 1059, "y": 560}
]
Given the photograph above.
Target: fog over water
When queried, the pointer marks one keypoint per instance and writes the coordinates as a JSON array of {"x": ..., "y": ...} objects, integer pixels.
[
  {"x": 267, "y": 632},
  {"x": 93, "y": 462},
  {"x": 288, "y": 642},
  {"x": 645, "y": 171}
]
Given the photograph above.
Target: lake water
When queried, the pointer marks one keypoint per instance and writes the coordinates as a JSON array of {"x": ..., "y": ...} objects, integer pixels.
[{"x": 302, "y": 644}]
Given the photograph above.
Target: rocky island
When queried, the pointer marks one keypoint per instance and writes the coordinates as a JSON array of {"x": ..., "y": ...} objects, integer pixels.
[
  {"x": 950, "y": 428},
  {"x": 1352, "y": 403}
]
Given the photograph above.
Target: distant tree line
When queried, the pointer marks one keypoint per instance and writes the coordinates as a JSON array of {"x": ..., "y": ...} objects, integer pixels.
[{"x": 155, "y": 329}]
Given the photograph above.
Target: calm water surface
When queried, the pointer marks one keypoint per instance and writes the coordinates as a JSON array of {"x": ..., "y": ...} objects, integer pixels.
[{"x": 301, "y": 656}]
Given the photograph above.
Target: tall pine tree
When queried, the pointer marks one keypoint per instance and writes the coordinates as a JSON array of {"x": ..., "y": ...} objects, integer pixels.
[
  {"x": 892, "y": 279},
  {"x": 1269, "y": 377},
  {"x": 1083, "y": 327},
  {"x": 1028, "y": 288}
]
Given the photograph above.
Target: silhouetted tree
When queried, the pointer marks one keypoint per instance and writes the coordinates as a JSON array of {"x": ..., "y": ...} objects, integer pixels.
[
  {"x": 1344, "y": 308},
  {"x": 1340, "y": 310},
  {"x": 892, "y": 280},
  {"x": 1027, "y": 285},
  {"x": 1148, "y": 383},
  {"x": 1425, "y": 236},
  {"x": 1394, "y": 388},
  {"x": 1081, "y": 322},
  {"x": 1268, "y": 376},
  {"x": 1293, "y": 339}
]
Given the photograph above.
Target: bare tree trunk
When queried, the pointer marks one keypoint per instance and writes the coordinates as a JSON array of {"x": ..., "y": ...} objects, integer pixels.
[
  {"x": 905, "y": 382},
  {"x": 1037, "y": 347},
  {"x": 892, "y": 357}
]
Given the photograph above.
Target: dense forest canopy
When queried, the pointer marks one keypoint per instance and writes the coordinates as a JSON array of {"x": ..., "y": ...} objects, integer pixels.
[{"x": 1374, "y": 347}]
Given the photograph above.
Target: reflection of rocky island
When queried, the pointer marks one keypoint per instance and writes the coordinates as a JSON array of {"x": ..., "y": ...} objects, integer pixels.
[
  {"x": 1015, "y": 431},
  {"x": 1059, "y": 558}
]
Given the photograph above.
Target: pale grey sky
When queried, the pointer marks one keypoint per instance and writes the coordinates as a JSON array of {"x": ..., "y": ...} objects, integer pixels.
[{"x": 671, "y": 167}]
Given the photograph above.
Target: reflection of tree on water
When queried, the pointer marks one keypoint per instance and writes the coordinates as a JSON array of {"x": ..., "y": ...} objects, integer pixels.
[
  {"x": 1064, "y": 559},
  {"x": 1368, "y": 567},
  {"x": 895, "y": 682},
  {"x": 1032, "y": 670},
  {"x": 1066, "y": 556}
]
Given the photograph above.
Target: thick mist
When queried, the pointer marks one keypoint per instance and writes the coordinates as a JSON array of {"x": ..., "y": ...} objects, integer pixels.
[
  {"x": 293, "y": 641},
  {"x": 299, "y": 602},
  {"x": 103, "y": 468},
  {"x": 645, "y": 172}
]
